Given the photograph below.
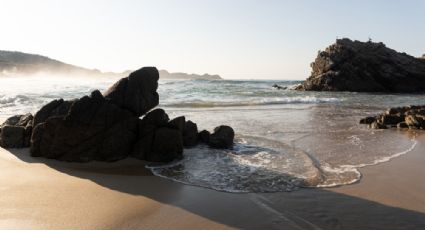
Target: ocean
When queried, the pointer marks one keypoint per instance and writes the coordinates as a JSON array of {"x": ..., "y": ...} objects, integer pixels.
[{"x": 285, "y": 139}]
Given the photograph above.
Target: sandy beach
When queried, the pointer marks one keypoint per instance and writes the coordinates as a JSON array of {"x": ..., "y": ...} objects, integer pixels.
[{"x": 38, "y": 193}]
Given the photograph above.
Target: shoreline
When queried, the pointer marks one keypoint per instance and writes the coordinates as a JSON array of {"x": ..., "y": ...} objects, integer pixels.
[{"x": 38, "y": 193}]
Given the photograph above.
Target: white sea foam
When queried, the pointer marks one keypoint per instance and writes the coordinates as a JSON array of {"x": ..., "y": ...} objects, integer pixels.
[
  {"x": 252, "y": 102},
  {"x": 342, "y": 169}
]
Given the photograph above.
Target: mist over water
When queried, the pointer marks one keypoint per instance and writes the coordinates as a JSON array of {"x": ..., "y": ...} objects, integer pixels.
[{"x": 285, "y": 139}]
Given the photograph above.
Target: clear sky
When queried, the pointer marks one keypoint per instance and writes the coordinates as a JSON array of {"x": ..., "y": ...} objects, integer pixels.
[{"x": 234, "y": 38}]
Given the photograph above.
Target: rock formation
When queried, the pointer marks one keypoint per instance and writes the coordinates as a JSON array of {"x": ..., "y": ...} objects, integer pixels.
[
  {"x": 412, "y": 117},
  {"x": 108, "y": 128},
  {"x": 365, "y": 67}
]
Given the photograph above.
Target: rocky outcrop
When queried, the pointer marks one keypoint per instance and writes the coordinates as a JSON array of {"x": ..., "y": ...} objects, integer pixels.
[
  {"x": 411, "y": 117},
  {"x": 107, "y": 127},
  {"x": 365, "y": 67}
]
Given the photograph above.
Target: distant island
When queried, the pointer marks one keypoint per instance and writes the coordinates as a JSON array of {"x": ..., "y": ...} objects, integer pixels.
[{"x": 19, "y": 63}]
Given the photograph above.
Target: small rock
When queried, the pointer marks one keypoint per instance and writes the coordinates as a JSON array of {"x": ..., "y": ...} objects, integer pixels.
[
  {"x": 222, "y": 137},
  {"x": 204, "y": 136},
  {"x": 367, "y": 120}
]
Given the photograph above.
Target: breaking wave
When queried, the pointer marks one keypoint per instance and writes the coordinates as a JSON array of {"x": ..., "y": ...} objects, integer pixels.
[{"x": 253, "y": 102}]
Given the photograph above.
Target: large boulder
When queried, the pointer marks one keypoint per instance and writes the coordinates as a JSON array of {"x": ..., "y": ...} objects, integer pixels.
[
  {"x": 222, "y": 138},
  {"x": 365, "y": 67},
  {"x": 136, "y": 93},
  {"x": 100, "y": 127}
]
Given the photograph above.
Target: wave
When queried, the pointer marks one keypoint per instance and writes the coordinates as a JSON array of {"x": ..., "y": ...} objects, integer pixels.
[
  {"x": 355, "y": 168},
  {"x": 254, "y": 102},
  {"x": 13, "y": 99}
]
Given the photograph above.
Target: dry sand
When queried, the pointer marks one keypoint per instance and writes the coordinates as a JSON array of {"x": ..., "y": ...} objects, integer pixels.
[{"x": 38, "y": 193}]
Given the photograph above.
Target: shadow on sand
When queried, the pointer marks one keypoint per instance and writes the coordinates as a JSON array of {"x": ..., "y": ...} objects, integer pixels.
[{"x": 302, "y": 209}]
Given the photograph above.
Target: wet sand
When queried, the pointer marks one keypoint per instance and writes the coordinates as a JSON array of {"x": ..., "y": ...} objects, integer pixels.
[{"x": 38, "y": 193}]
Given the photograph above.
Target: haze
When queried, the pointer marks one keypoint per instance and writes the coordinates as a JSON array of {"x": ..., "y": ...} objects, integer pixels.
[{"x": 236, "y": 39}]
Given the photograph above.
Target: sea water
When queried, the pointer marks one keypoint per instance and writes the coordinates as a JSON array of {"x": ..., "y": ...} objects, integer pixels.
[{"x": 285, "y": 139}]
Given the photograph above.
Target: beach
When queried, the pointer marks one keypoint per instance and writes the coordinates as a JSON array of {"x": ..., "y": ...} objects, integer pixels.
[{"x": 38, "y": 193}]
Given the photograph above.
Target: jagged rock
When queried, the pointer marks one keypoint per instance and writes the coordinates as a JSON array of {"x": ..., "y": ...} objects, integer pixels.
[
  {"x": 204, "y": 136},
  {"x": 54, "y": 108},
  {"x": 190, "y": 134},
  {"x": 365, "y": 67},
  {"x": 412, "y": 117},
  {"x": 367, "y": 120},
  {"x": 93, "y": 129},
  {"x": 96, "y": 127},
  {"x": 108, "y": 128},
  {"x": 136, "y": 93},
  {"x": 222, "y": 137}
]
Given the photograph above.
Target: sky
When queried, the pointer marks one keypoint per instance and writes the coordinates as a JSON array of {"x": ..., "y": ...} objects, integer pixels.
[{"x": 237, "y": 39}]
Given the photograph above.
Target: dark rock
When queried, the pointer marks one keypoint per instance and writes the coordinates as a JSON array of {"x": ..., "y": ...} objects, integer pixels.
[
  {"x": 365, "y": 67},
  {"x": 46, "y": 111},
  {"x": 18, "y": 120},
  {"x": 108, "y": 128},
  {"x": 146, "y": 131},
  {"x": 178, "y": 123},
  {"x": 412, "y": 117},
  {"x": 93, "y": 129},
  {"x": 12, "y": 136},
  {"x": 167, "y": 145},
  {"x": 276, "y": 86},
  {"x": 377, "y": 125},
  {"x": 367, "y": 120},
  {"x": 391, "y": 119},
  {"x": 136, "y": 93},
  {"x": 222, "y": 137},
  {"x": 402, "y": 125},
  {"x": 204, "y": 136},
  {"x": 190, "y": 134}
]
